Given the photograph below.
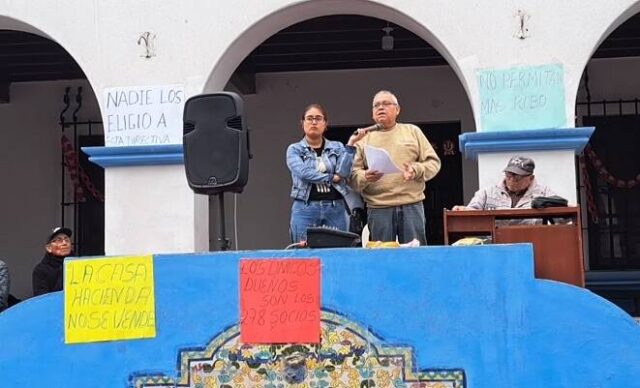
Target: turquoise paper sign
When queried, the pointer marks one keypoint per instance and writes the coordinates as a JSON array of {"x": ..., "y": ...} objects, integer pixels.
[{"x": 530, "y": 97}]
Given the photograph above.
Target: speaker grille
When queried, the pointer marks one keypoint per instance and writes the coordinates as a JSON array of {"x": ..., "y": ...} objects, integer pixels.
[
  {"x": 215, "y": 143},
  {"x": 235, "y": 123},
  {"x": 188, "y": 127}
]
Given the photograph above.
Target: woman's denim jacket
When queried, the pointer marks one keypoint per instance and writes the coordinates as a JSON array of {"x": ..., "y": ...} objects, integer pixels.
[{"x": 338, "y": 158}]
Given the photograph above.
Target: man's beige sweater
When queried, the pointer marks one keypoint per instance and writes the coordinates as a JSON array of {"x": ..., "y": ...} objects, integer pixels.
[{"x": 404, "y": 143}]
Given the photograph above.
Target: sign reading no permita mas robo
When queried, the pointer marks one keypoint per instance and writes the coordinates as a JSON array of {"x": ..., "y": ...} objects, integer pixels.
[{"x": 529, "y": 97}]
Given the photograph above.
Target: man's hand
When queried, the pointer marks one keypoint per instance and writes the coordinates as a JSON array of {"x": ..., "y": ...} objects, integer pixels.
[
  {"x": 459, "y": 207},
  {"x": 358, "y": 134},
  {"x": 408, "y": 172},
  {"x": 372, "y": 175},
  {"x": 336, "y": 178}
]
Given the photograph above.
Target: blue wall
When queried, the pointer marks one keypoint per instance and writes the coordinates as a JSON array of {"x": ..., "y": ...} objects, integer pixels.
[{"x": 472, "y": 308}]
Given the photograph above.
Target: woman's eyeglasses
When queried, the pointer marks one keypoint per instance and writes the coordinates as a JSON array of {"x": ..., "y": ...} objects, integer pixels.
[{"x": 311, "y": 119}]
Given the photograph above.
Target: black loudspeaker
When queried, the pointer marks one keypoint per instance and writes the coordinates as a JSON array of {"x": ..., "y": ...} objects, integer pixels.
[{"x": 215, "y": 143}]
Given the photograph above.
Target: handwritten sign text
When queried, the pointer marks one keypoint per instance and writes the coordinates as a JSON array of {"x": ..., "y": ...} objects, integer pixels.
[
  {"x": 146, "y": 115},
  {"x": 280, "y": 301},
  {"x": 522, "y": 98},
  {"x": 109, "y": 299}
]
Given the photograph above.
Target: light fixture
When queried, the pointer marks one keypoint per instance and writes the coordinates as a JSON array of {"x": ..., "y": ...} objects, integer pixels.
[{"x": 387, "y": 38}]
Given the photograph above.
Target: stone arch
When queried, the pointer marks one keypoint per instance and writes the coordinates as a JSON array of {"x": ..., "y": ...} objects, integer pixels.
[
  {"x": 604, "y": 98},
  {"x": 242, "y": 46},
  {"x": 582, "y": 62},
  {"x": 33, "y": 112},
  {"x": 10, "y": 23}
]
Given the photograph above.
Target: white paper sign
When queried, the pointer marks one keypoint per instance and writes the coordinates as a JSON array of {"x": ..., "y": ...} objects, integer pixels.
[{"x": 143, "y": 115}]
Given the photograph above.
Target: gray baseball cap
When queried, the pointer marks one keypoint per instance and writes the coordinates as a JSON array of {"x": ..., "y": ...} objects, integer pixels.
[{"x": 520, "y": 165}]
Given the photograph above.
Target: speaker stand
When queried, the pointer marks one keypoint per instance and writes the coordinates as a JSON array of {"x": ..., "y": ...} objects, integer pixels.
[{"x": 223, "y": 243}]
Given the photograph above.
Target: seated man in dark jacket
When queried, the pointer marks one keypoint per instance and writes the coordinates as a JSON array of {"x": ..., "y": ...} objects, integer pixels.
[{"x": 47, "y": 275}]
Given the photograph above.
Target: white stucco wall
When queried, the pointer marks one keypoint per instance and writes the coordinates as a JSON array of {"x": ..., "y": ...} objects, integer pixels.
[
  {"x": 199, "y": 44},
  {"x": 103, "y": 37},
  {"x": 147, "y": 215}
]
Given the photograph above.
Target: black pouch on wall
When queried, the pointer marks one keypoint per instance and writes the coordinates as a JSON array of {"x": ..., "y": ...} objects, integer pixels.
[
  {"x": 544, "y": 202},
  {"x": 321, "y": 237}
]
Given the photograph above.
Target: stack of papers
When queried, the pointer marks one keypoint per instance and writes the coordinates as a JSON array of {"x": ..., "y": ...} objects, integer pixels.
[{"x": 378, "y": 159}]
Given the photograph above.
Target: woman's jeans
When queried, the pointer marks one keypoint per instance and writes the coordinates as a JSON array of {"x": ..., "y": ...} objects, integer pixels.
[
  {"x": 405, "y": 222},
  {"x": 332, "y": 214}
]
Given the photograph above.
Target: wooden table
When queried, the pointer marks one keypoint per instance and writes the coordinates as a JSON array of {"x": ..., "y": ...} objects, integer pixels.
[{"x": 557, "y": 248}]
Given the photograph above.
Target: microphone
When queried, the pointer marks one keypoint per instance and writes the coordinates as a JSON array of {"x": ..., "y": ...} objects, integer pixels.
[{"x": 371, "y": 128}]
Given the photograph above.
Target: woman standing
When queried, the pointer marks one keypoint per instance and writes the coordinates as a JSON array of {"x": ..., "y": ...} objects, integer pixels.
[{"x": 319, "y": 169}]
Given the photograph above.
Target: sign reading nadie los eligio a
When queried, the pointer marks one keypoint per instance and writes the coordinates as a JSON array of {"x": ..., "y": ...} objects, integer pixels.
[
  {"x": 143, "y": 115},
  {"x": 107, "y": 299}
]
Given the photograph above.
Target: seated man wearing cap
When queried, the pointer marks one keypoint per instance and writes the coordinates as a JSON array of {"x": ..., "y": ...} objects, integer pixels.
[
  {"x": 515, "y": 191},
  {"x": 47, "y": 275}
]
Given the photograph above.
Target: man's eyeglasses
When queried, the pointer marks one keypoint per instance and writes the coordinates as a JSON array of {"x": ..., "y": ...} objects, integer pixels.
[
  {"x": 311, "y": 119},
  {"x": 515, "y": 177},
  {"x": 60, "y": 240},
  {"x": 386, "y": 104}
]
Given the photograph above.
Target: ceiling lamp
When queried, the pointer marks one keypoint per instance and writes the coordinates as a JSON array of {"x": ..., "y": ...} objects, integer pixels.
[{"x": 387, "y": 38}]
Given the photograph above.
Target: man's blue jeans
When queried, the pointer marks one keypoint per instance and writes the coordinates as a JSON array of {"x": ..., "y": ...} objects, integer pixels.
[
  {"x": 332, "y": 214},
  {"x": 405, "y": 222}
]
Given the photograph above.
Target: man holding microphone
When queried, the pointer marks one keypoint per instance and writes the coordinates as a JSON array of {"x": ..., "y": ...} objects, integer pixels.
[{"x": 394, "y": 201}]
